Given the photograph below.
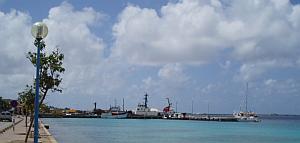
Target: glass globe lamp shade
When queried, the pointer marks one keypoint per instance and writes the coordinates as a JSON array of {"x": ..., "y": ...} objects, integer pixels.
[{"x": 39, "y": 30}]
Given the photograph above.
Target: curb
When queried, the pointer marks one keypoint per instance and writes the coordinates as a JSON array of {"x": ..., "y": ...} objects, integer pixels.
[{"x": 49, "y": 136}]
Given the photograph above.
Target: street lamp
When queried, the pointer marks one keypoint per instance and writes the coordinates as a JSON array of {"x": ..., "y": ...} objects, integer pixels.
[{"x": 39, "y": 31}]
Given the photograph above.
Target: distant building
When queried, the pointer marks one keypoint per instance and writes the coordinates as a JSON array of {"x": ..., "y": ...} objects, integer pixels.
[{"x": 69, "y": 111}]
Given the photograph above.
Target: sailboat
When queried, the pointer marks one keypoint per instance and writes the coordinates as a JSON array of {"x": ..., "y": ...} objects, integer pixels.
[{"x": 246, "y": 116}]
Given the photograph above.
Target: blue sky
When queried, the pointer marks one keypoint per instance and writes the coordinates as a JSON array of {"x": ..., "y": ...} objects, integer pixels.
[{"x": 202, "y": 51}]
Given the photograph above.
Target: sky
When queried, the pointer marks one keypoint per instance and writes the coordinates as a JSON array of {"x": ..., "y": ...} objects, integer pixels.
[{"x": 191, "y": 51}]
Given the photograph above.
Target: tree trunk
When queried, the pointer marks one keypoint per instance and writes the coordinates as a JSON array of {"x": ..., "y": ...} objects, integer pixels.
[
  {"x": 26, "y": 115},
  {"x": 28, "y": 131}
]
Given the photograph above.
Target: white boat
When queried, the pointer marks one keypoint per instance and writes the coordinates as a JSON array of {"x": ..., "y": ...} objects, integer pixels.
[
  {"x": 114, "y": 113},
  {"x": 246, "y": 116},
  {"x": 144, "y": 110}
]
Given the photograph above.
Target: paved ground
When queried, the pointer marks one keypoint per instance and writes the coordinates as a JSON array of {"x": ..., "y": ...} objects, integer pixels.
[
  {"x": 19, "y": 133},
  {"x": 3, "y": 125}
]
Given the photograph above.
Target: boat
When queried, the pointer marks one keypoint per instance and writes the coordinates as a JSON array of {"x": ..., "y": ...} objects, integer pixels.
[
  {"x": 114, "y": 112},
  {"x": 144, "y": 110},
  {"x": 168, "y": 112},
  {"x": 246, "y": 116}
]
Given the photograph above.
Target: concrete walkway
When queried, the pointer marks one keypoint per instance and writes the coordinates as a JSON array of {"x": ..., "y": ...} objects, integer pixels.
[{"x": 19, "y": 133}]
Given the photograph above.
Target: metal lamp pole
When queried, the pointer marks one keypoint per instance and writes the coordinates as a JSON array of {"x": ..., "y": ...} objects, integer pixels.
[
  {"x": 37, "y": 94},
  {"x": 39, "y": 31}
]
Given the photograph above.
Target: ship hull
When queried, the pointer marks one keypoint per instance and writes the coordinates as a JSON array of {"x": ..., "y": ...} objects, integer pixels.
[
  {"x": 247, "y": 119},
  {"x": 111, "y": 115},
  {"x": 146, "y": 113}
]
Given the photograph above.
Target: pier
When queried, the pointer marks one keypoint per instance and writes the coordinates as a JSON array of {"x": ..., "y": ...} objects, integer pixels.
[
  {"x": 196, "y": 117},
  {"x": 219, "y": 118}
]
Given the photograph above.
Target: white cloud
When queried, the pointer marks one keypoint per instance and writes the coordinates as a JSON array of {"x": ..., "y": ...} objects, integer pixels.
[
  {"x": 294, "y": 17},
  {"x": 70, "y": 31},
  {"x": 88, "y": 73},
  {"x": 16, "y": 40},
  {"x": 197, "y": 31},
  {"x": 216, "y": 3},
  {"x": 270, "y": 82},
  {"x": 280, "y": 88},
  {"x": 171, "y": 81},
  {"x": 178, "y": 35},
  {"x": 226, "y": 65},
  {"x": 170, "y": 77},
  {"x": 254, "y": 70},
  {"x": 172, "y": 72},
  {"x": 259, "y": 36},
  {"x": 207, "y": 89}
]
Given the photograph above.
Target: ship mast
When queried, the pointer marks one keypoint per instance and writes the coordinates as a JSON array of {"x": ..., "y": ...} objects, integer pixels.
[
  {"x": 169, "y": 103},
  {"x": 123, "y": 105},
  {"x": 176, "y": 107},
  {"x": 95, "y": 106},
  {"x": 247, "y": 97},
  {"x": 192, "y": 106},
  {"x": 146, "y": 100}
]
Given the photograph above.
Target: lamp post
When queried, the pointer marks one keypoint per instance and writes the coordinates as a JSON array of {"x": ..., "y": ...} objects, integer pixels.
[{"x": 39, "y": 31}]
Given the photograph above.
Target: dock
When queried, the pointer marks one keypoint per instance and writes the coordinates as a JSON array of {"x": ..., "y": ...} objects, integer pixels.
[
  {"x": 17, "y": 133},
  {"x": 219, "y": 118},
  {"x": 196, "y": 117}
]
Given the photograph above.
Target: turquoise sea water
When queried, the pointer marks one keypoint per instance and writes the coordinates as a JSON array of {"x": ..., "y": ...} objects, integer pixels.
[{"x": 71, "y": 130}]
